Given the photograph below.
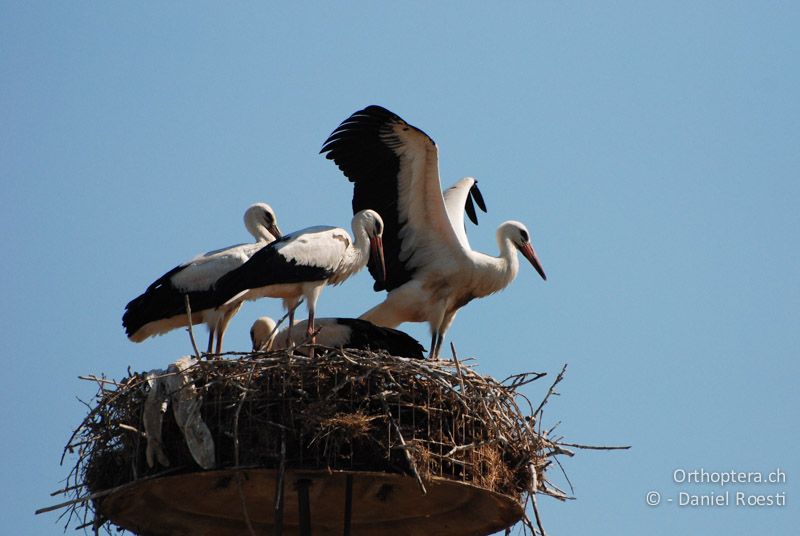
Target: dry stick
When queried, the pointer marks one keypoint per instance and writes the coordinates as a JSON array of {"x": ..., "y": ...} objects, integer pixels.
[
  {"x": 189, "y": 329},
  {"x": 523, "y": 378},
  {"x": 63, "y": 491},
  {"x": 551, "y": 390},
  {"x": 290, "y": 311},
  {"x": 102, "y": 493},
  {"x": 526, "y": 523},
  {"x": 569, "y": 482},
  {"x": 132, "y": 429},
  {"x": 458, "y": 366},
  {"x": 534, "y": 485},
  {"x": 91, "y": 415},
  {"x": 94, "y": 378},
  {"x": 592, "y": 447}
]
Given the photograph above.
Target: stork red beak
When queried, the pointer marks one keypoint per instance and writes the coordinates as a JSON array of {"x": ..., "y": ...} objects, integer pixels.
[
  {"x": 377, "y": 264},
  {"x": 530, "y": 254},
  {"x": 274, "y": 231}
]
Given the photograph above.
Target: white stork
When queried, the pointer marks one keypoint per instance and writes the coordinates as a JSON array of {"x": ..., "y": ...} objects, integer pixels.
[
  {"x": 432, "y": 272},
  {"x": 300, "y": 264},
  {"x": 161, "y": 308},
  {"x": 336, "y": 333},
  {"x": 262, "y": 334}
]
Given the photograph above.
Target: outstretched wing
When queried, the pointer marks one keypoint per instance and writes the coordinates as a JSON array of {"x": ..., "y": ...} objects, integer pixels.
[
  {"x": 394, "y": 168},
  {"x": 458, "y": 200}
]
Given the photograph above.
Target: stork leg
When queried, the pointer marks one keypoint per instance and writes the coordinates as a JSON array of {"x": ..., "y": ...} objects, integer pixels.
[
  {"x": 444, "y": 325},
  {"x": 436, "y": 342},
  {"x": 211, "y": 331},
  {"x": 290, "y": 304},
  {"x": 291, "y": 326},
  {"x": 311, "y": 332},
  {"x": 222, "y": 324},
  {"x": 218, "y": 350},
  {"x": 311, "y": 302}
]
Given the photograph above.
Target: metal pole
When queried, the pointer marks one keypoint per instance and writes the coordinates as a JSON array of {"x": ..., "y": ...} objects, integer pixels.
[
  {"x": 277, "y": 528},
  {"x": 348, "y": 504},
  {"x": 304, "y": 508}
]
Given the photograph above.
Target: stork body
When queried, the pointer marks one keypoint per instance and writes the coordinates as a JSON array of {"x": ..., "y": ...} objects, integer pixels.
[
  {"x": 161, "y": 308},
  {"x": 432, "y": 271},
  {"x": 337, "y": 333},
  {"x": 301, "y": 264}
]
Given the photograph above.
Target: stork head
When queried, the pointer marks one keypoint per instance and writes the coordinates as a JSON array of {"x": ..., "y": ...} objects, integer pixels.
[
  {"x": 262, "y": 334},
  {"x": 262, "y": 223},
  {"x": 369, "y": 222},
  {"x": 518, "y": 234}
]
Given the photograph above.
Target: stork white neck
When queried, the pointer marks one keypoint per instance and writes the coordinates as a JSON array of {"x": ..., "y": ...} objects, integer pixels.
[
  {"x": 367, "y": 227},
  {"x": 493, "y": 274}
]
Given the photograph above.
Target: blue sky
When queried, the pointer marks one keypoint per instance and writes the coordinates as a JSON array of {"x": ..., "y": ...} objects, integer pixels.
[{"x": 653, "y": 152}]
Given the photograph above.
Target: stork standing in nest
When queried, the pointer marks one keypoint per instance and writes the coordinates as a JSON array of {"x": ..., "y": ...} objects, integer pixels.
[
  {"x": 162, "y": 307},
  {"x": 301, "y": 264},
  {"x": 432, "y": 271}
]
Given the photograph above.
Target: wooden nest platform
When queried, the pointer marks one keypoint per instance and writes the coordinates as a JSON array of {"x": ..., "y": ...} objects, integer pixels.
[{"x": 370, "y": 443}]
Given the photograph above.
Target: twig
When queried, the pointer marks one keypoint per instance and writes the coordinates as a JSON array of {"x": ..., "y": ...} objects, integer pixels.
[
  {"x": 564, "y": 472},
  {"x": 132, "y": 429},
  {"x": 289, "y": 312},
  {"x": 63, "y": 491},
  {"x": 458, "y": 366},
  {"x": 551, "y": 390},
  {"x": 524, "y": 378},
  {"x": 534, "y": 488},
  {"x": 102, "y": 493},
  {"x": 593, "y": 447},
  {"x": 93, "y": 378}
]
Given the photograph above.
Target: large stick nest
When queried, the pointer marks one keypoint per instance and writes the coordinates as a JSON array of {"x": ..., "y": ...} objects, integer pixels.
[{"x": 344, "y": 409}]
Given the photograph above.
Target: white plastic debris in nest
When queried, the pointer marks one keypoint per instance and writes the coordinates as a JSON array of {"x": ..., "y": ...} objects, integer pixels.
[{"x": 175, "y": 387}]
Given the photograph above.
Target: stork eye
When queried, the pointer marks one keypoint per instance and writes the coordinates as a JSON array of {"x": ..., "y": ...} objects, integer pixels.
[
  {"x": 378, "y": 227},
  {"x": 524, "y": 235}
]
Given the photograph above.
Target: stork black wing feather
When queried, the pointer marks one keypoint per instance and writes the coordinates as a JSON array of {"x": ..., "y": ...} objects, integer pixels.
[
  {"x": 475, "y": 193},
  {"x": 268, "y": 266},
  {"x": 367, "y": 336},
  {"x": 362, "y": 148},
  {"x": 163, "y": 300},
  {"x": 469, "y": 208}
]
